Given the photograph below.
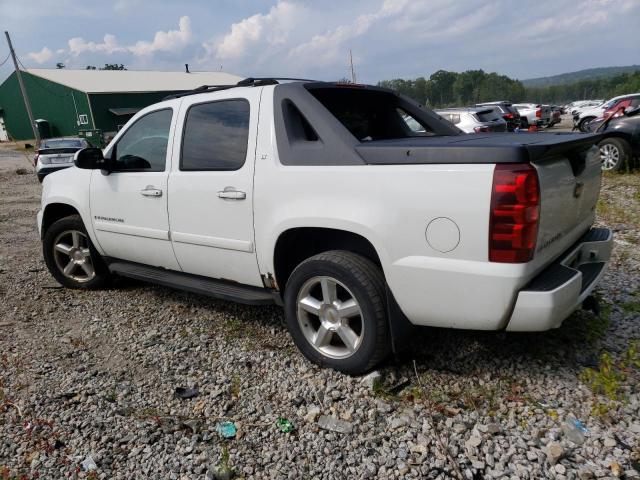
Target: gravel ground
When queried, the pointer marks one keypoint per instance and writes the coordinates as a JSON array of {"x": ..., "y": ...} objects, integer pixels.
[{"x": 87, "y": 382}]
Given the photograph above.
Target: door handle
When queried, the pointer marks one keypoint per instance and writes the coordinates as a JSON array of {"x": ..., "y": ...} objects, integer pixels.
[
  {"x": 151, "y": 191},
  {"x": 230, "y": 193}
]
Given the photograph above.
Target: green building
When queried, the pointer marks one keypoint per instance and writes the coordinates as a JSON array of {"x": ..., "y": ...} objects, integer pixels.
[{"x": 74, "y": 100}]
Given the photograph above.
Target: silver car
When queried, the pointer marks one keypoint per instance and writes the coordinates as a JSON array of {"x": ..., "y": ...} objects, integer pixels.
[
  {"x": 56, "y": 153},
  {"x": 475, "y": 120}
]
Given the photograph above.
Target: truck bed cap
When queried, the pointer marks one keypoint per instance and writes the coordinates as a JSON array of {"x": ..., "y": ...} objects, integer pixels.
[{"x": 476, "y": 148}]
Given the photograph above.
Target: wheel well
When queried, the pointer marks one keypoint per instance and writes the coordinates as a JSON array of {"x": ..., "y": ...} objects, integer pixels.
[
  {"x": 296, "y": 245},
  {"x": 619, "y": 135},
  {"x": 54, "y": 212}
]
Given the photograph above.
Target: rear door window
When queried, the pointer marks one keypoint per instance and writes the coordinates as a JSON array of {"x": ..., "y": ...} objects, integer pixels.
[{"x": 216, "y": 136}]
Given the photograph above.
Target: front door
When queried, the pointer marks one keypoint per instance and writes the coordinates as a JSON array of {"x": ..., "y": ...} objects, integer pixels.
[
  {"x": 211, "y": 187},
  {"x": 129, "y": 205}
]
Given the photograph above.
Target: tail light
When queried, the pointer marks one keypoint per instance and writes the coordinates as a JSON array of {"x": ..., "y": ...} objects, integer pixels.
[
  {"x": 35, "y": 159},
  {"x": 508, "y": 116},
  {"x": 482, "y": 129},
  {"x": 538, "y": 113},
  {"x": 515, "y": 212}
]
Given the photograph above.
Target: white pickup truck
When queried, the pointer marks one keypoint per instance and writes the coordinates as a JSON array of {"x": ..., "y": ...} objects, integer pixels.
[
  {"x": 534, "y": 114},
  {"x": 357, "y": 209}
]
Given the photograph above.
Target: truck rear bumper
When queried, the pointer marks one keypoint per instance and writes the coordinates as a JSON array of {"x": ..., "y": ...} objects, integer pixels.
[{"x": 556, "y": 292}]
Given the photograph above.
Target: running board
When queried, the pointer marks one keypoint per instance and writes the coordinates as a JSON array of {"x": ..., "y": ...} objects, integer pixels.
[{"x": 221, "y": 289}]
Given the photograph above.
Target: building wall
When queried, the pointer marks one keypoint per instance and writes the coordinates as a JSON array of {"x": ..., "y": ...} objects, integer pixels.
[
  {"x": 50, "y": 101},
  {"x": 102, "y": 102}
]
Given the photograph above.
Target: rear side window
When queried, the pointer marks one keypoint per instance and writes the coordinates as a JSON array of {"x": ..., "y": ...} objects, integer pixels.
[{"x": 216, "y": 136}]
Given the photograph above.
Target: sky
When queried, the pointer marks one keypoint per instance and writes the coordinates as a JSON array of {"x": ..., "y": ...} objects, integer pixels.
[{"x": 312, "y": 39}]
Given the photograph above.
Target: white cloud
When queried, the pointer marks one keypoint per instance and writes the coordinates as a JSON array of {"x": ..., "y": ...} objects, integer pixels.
[
  {"x": 42, "y": 56},
  {"x": 171, "y": 41},
  {"x": 271, "y": 29},
  {"x": 329, "y": 46},
  {"x": 109, "y": 45}
]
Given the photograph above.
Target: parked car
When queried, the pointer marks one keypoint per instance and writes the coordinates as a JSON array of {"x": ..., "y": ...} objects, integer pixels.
[
  {"x": 621, "y": 141},
  {"x": 574, "y": 107},
  {"x": 507, "y": 111},
  {"x": 55, "y": 154},
  {"x": 582, "y": 118},
  {"x": 533, "y": 114},
  {"x": 475, "y": 120},
  {"x": 320, "y": 197},
  {"x": 556, "y": 115}
]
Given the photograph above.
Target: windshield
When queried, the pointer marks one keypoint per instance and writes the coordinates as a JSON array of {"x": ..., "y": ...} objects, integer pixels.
[{"x": 63, "y": 143}]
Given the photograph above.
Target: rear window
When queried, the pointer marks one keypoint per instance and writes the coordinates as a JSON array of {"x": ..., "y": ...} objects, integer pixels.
[
  {"x": 371, "y": 114},
  {"x": 65, "y": 143},
  {"x": 487, "y": 115}
]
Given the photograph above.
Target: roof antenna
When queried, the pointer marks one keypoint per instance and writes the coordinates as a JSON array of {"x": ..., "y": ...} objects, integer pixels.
[{"x": 186, "y": 68}]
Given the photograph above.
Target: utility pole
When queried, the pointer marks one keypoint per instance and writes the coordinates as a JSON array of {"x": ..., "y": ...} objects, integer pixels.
[
  {"x": 27, "y": 104},
  {"x": 353, "y": 72}
]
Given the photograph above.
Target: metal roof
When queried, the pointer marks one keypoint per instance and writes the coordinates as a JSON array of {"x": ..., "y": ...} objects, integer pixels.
[{"x": 114, "y": 81}]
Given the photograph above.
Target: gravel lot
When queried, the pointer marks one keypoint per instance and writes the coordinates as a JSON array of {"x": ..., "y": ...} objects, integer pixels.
[{"x": 87, "y": 381}]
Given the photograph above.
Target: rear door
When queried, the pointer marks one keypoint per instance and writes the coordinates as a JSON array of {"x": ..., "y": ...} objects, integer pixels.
[
  {"x": 129, "y": 205},
  {"x": 211, "y": 186}
]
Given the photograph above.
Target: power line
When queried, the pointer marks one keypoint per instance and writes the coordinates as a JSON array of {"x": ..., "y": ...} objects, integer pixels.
[{"x": 5, "y": 60}]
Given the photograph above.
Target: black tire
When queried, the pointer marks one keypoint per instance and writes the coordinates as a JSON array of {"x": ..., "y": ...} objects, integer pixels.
[
  {"x": 617, "y": 146},
  {"x": 582, "y": 126},
  {"x": 365, "y": 282},
  {"x": 73, "y": 223}
]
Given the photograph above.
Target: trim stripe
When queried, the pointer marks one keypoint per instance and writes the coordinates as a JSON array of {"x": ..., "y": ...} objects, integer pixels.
[
  {"x": 216, "y": 242},
  {"x": 129, "y": 230}
]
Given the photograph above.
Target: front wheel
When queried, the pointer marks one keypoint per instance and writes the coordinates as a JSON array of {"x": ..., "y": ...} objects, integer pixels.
[
  {"x": 71, "y": 257},
  {"x": 336, "y": 312},
  {"x": 614, "y": 153},
  {"x": 583, "y": 126}
]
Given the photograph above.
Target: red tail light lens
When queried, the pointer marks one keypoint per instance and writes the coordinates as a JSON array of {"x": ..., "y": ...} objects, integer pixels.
[
  {"x": 508, "y": 115},
  {"x": 538, "y": 113},
  {"x": 515, "y": 212}
]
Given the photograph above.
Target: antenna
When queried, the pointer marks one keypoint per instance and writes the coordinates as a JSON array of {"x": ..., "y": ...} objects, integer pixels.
[{"x": 353, "y": 72}]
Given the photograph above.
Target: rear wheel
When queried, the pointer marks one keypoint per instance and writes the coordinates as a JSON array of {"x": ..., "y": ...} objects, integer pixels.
[
  {"x": 71, "y": 257},
  {"x": 614, "y": 153},
  {"x": 336, "y": 313}
]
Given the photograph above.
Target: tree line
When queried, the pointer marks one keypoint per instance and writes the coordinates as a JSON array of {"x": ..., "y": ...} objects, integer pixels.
[{"x": 445, "y": 89}]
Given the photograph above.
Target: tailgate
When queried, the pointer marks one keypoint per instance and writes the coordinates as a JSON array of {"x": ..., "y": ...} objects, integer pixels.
[{"x": 570, "y": 176}]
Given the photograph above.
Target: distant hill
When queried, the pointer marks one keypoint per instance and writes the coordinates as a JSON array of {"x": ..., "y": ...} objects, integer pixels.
[{"x": 571, "y": 77}]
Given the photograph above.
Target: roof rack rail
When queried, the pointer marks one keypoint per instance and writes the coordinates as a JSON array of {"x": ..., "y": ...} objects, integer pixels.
[{"x": 247, "y": 82}]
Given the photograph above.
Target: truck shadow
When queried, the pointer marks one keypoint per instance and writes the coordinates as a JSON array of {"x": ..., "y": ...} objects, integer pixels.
[{"x": 574, "y": 345}]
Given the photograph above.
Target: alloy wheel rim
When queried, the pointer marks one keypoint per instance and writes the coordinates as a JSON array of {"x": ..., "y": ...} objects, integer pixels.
[
  {"x": 73, "y": 257},
  {"x": 330, "y": 317},
  {"x": 610, "y": 156}
]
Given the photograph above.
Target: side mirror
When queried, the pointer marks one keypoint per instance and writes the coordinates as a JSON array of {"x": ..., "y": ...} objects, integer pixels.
[{"x": 90, "y": 158}]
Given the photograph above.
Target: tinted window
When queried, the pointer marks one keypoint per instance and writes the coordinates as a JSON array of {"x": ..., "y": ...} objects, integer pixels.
[
  {"x": 487, "y": 116},
  {"x": 216, "y": 136},
  {"x": 143, "y": 147},
  {"x": 370, "y": 114}
]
